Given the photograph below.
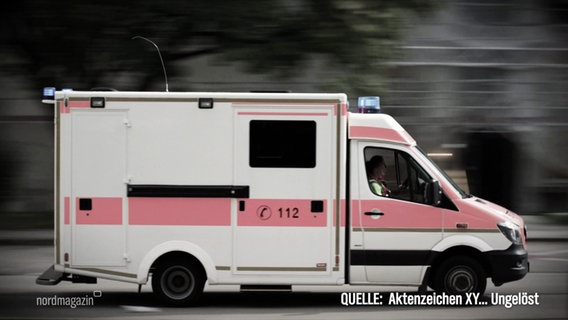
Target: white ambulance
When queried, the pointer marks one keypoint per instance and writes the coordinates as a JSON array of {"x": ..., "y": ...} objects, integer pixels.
[{"x": 261, "y": 190}]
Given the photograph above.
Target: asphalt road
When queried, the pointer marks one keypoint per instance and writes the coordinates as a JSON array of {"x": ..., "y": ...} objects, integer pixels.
[{"x": 20, "y": 297}]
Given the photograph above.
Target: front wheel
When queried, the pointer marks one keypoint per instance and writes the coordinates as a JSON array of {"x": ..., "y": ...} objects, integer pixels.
[
  {"x": 178, "y": 283},
  {"x": 460, "y": 275}
]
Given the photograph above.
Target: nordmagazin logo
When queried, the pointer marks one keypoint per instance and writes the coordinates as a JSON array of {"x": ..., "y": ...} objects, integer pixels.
[{"x": 71, "y": 302}]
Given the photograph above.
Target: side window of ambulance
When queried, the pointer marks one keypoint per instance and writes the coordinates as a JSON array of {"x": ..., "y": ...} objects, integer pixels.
[
  {"x": 398, "y": 175},
  {"x": 282, "y": 144}
]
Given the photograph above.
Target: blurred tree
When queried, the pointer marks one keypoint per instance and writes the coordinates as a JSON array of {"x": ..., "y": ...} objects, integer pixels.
[{"x": 78, "y": 43}]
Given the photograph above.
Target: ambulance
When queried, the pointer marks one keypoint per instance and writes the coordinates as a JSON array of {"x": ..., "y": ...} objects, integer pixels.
[{"x": 264, "y": 191}]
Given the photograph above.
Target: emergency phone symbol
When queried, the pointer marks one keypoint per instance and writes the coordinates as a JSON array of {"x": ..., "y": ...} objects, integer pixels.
[{"x": 264, "y": 212}]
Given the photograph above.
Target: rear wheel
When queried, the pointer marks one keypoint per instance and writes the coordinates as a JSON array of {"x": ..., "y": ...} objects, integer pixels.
[
  {"x": 460, "y": 275},
  {"x": 179, "y": 282}
]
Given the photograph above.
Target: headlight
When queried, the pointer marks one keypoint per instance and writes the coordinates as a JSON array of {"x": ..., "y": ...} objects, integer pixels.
[{"x": 511, "y": 231}]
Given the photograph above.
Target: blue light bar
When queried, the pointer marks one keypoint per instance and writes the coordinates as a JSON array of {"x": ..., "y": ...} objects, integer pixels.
[
  {"x": 48, "y": 93},
  {"x": 369, "y": 105}
]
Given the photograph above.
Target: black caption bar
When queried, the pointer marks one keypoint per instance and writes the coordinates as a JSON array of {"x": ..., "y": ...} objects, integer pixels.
[{"x": 175, "y": 191}]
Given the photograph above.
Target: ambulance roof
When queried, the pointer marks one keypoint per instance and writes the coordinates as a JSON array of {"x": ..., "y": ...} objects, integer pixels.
[
  {"x": 378, "y": 126},
  {"x": 194, "y": 95}
]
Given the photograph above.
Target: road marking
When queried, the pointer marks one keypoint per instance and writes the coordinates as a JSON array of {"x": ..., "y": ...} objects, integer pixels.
[{"x": 140, "y": 309}]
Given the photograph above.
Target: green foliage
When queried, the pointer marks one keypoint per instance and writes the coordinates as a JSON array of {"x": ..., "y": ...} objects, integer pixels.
[{"x": 71, "y": 43}]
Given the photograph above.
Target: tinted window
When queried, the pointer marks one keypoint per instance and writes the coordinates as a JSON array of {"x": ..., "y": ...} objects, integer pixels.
[{"x": 282, "y": 144}]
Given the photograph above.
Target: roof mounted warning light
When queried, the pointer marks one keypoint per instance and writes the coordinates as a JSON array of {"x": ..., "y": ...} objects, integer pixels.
[
  {"x": 369, "y": 105},
  {"x": 48, "y": 95}
]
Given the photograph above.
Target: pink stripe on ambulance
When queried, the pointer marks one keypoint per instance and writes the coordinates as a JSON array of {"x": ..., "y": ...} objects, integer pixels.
[
  {"x": 73, "y": 104},
  {"x": 380, "y": 133},
  {"x": 103, "y": 211},
  {"x": 281, "y": 213},
  {"x": 180, "y": 211}
]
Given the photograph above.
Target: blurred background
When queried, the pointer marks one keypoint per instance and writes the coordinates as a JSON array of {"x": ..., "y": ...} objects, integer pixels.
[{"x": 481, "y": 85}]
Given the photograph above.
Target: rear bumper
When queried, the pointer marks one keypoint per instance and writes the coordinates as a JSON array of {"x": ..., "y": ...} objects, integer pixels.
[
  {"x": 50, "y": 277},
  {"x": 508, "y": 265}
]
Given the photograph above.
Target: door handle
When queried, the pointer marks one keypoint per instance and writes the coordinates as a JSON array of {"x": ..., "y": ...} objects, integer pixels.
[{"x": 374, "y": 213}]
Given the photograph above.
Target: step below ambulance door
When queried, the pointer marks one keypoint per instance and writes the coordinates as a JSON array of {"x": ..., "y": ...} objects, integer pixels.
[
  {"x": 98, "y": 165},
  {"x": 393, "y": 229},
  {"x": 285, "y": 228}
]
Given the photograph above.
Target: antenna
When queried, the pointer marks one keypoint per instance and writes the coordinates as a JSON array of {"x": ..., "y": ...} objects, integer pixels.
[{"x": 162, "y": 60}]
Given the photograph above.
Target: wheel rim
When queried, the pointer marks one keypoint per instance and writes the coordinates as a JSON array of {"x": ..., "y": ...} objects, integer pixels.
[
  {"x": 177, "y": 282},
  {"x": 461, "y": 279}
]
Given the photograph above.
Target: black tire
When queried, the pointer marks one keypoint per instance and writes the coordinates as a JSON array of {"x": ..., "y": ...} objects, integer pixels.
[
  {"x": 178, "y": 283},
  {"x": 460, "y": 275}
]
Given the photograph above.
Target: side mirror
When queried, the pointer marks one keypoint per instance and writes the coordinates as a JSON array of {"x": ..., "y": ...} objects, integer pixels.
[{"x": 433, "y": 193}]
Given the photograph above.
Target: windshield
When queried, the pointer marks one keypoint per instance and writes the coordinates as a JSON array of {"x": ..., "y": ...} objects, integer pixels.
[{"x": 462, "y": 193}]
